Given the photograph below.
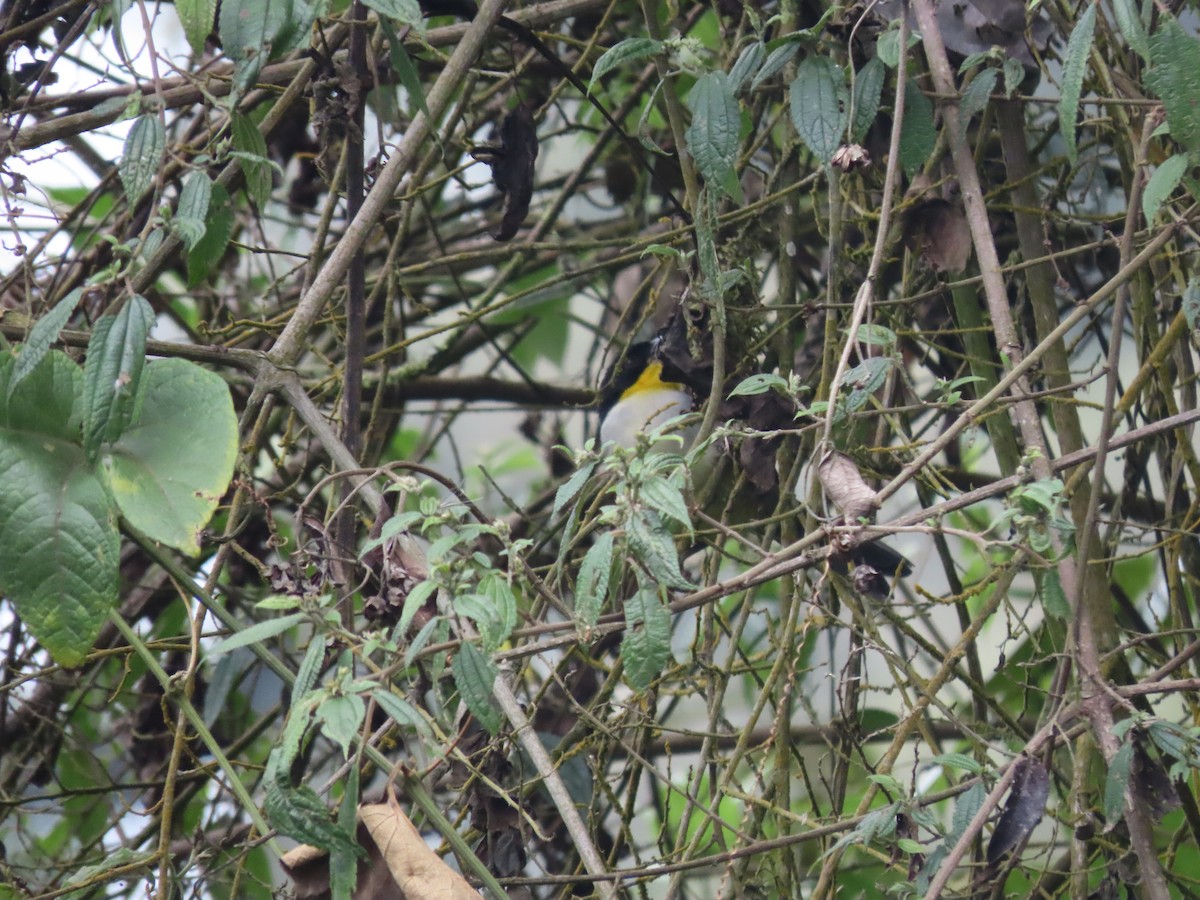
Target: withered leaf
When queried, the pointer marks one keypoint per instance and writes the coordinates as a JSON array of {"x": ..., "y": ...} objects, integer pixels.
[
  {"x": 1024, "y": 809},
  {"x": 845, "y": 486},
  {"x": 398, "y": 864},
  {"x": 512, "y": 165}
]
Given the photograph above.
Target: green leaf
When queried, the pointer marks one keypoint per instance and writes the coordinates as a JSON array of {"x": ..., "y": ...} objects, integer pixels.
[
  {"x": 499, "y": 594},
  {"x": 343, "y": 864},
  {"x": 975, "y": 99},
  {"x": 776, "y": 60},
  {"x": 1074, "y": 68},
  {"x": 142, "y": 156},
  {"x": 341, "y": 716},
  {"x": 818, "y": 102},
  {"x": 474, "y": 675},
  {"x": 570, "y": 488},
  {"x": 203, "y": 258},
  {"x": 258, "y": 633},
  {"x": 714, "y": 134},
  {"x": 628, "y": 50},
  {"x": 1162, "y": 185},
  {"x": 59, "y": 545},
  {"x": 964, "y": 811},
  {"x": 310, "y": 669},
  {"x": 747, "y": 64},
  {"x": 170, "y": 468},
  {"x": 868, "y": 89},
  {"x": 253, "y": 155},
  {"x": 918, "y": 135},
  {"x": 887, "y": 48},
  {"x": 759, "y": 384},
  {"x": 1175, "y": 79},
  {"x": 416, "y": 598},
  {"x": 1190, "y": 304},
  {"x": 958, "y": 761},
  {"x": 1014, "y": 74},
  {"x": 1130, "y": 24},
  {"x": 653, "y": 545},
  {"x": 192, "y": 212},
  {"x": 1054, "y": 598},
  {"x": 591, "y": 585},
  {"x": 248, "y": 29},
  {"x": 1119, "y": 770},
  {"x": 875, "y": 335},
  {"x": 406, "y": 12},
  {"x": 865, "y": 379},
  {"x": 196, "y": 17},
  {"x": 666, "y": 499},
  {"x": 88, "y": 876},
  {"x": 401, "y": 711},
  {"x": 646, "y": 646},
  {"x": 113, "y": 370},
  {"x": 44, "y": 332},
  {"x": 403, "y": 64},
  {"x": 299, "y": 813}
]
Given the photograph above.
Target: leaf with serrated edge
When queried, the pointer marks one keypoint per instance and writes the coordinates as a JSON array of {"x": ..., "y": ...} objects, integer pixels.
[
  {"x": 400, "y": 710},
  {"x": 113, "y": 370},
  {"x": 193, "y": 208},
  {"x": 591, "y": 585},
  {"x": 747, "y": 64},
  {"x": 142, "y": 155},
  {"x": 1115, "y": 783},
  {"x": 653, "y": 545},
  {"x": 646, "y": 646},
  {"x": 868, "y": 89},
  {"x": 1074, "y": 68},
  {"x": 628, "y": 50},
  {"x": 713, "y": 135},
  {"x": 975, "y": 99},
  {"x": 918, "y": 135},
  {"x": 818, "y": 101},
  {"x": 257, "y": 633},
  {"x": 196, "y": 17},
  {"x": 43, "y": 333},
  {"x": 666, "y": 499},
  {"x": 474, "y": 675}
]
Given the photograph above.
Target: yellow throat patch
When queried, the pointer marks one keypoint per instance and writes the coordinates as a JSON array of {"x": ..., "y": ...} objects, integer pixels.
[{"x": 650, "y": 380}]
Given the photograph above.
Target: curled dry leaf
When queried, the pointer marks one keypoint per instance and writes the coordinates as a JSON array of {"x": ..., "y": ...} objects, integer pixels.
[
  {"x": 1024, "y": 808},
  {"x": 512, "y": 165},
  {"x": 845, "y": 486},
  {"x": 399, "y": 864}
]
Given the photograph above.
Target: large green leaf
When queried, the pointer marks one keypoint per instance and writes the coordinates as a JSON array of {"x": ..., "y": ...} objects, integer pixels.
[
  {"x": 819, "y": 102},
  {"x": 58, "y": 542},
  {"x": 169, "y": 469},
  {"x": 249, "y": 29},
  {"x": 196, "y": 17},
  {"x": 46, "y": 402},
  {"x": 1175, "y": 78},
  {"x": 713, "y": 136}
]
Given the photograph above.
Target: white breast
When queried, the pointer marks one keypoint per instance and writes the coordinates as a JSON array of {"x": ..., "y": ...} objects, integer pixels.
[{"x": 641, "y": 412}]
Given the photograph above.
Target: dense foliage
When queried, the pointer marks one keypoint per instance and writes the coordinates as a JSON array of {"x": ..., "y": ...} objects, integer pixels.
[{"x": 304, "y": 538}]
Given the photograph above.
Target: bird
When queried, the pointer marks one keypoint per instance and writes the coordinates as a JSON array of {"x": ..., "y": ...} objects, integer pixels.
[
  {"x": 635, "y": 398},
  {"x": 638, "y": 396}
]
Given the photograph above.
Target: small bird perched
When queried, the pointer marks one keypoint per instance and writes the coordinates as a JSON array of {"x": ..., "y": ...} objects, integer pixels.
[{"x": 637, "y": 398}]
